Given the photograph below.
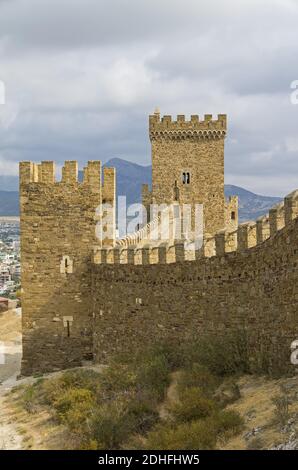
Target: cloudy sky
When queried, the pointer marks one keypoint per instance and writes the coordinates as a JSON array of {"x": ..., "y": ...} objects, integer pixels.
[{"x": 81, "y": 77}]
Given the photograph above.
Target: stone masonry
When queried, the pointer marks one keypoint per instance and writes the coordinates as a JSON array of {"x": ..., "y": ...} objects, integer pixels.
[
  {"x": 248, "y": 284},
  {"x": 188, "y": 166},
  {"x": 86, "y": 300},
  {"x": 57, "y": 234}
]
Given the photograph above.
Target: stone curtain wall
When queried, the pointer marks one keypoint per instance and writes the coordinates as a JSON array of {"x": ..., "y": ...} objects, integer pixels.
[
  {"x": 77, "y": 305},
  {"x": 255, "y": 289},
  {"x": 57, "y": 231}
]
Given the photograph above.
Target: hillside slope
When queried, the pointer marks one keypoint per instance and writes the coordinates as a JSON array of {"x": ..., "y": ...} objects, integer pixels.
[
  {"x": 9, "y": 203},
  {"x": 251, "y": 205}
]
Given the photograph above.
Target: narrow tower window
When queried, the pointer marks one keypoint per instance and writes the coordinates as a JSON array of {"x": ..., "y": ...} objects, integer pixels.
[
  {"x": 233, "y": 215},
  {"x": 68, "y": 328},
  {"x": 186, "y": 177},
  {"x": 67, "y": 323},
  {"x": 176, "y": 192},
  {"x": 66, "y": 265}
]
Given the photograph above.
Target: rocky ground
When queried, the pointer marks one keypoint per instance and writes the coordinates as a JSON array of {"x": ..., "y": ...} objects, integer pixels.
[
  {"x": 270, "y": 411},
  {"x": 10, "y": 360}
]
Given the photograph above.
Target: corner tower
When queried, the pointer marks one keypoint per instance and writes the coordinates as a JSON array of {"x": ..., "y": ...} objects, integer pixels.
[
  {"x": 58, "y": 232},
  {"x": 188, "y": 164}
]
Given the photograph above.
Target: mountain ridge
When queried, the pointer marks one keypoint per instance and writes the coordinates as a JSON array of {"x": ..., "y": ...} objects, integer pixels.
[{"x": 130, "y": 177}]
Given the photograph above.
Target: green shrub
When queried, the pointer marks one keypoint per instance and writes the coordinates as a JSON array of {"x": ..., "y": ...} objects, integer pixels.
[
  {"x": 90, "y": 444},
  {"x": 201, "y": 434},
  {"x": 109, "y": 425},
  {"x": 197, "y": 435},
  {"x": 153, "y": 376},
  {"x": 142, "y": 415},
  {"x": 148, "y": 377},
  {"x": 221, "y": 355},
  {"x": 192, "y": 405},
  {"x": 112, "y": 423},
  {"x": 74, "y": 407},
  {"x": 227, "y": 421},
  {"x": 29, "y": 399},
  {"x": 198, "y": 376},
  {"x": 53, "y": 388},
  {"x": 281, "y": 409},
  {"x": 117, "y": 378},
  {"x": 172, "y": 353}
]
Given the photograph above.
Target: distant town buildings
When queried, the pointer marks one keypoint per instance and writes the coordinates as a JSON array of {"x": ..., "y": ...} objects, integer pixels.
[{"x": 10, "y": 268}]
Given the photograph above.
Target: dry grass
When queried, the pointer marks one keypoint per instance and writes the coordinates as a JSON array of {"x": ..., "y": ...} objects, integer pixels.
[
  {"x": 10, "y": 326},
  {"x": 38, "y": 430},
  {"x": 258, "y": 410}
]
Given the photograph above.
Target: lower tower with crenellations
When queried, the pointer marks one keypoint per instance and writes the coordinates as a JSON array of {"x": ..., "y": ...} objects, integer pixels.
[{"x": 58, "y": 230}]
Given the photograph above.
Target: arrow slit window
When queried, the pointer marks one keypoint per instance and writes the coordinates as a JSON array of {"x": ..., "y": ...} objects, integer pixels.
[{"x": 186, "y": 177}]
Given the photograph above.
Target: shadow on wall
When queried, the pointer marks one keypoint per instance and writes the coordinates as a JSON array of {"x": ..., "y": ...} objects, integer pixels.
[{"x": 59, "y": 336}]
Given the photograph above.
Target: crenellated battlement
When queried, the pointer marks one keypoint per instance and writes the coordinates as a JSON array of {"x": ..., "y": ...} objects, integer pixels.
[
  {"x": 58, "y": 222},
  {"x": 188, "y": 164},
  {"x": 248, "y": 235},
  {"x": 39, "y": 175},
  {"x": 181, "y": 128}
]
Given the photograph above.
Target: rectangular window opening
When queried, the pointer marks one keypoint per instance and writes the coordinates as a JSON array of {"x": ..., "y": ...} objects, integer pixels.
[{"x": 186, "y": 177}]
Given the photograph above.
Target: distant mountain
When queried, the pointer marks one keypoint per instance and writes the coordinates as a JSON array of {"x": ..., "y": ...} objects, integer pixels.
[
  {"x": 251, "y": 205},
  {"x": 9, "y": 183},
  {"x": 9, "y": 203},
  {"x": 130, "y": 177}
]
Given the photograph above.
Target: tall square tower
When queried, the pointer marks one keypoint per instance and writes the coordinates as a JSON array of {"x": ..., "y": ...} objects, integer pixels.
[{"x": 188, "y": 164}]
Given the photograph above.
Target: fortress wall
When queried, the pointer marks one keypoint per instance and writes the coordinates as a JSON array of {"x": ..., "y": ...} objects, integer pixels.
[
  {"x": 109, "y": 205},
  {"x": 231, "y": 213},
  {"x": 255, "y": 289},
  {"x": 76, "y": 305},
  {"x": 57, "y": 230},
  {"x": 247, "y": 235}
]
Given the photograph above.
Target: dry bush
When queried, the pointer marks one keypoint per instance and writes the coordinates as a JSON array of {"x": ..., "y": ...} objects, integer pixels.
[
  {"x": 197, "y": 435},
  {"x": 222, "y": 356},
  {"x": 199, "y": 376},
  {"x": 192, "y": 405},
  {"x": 281, "y": 409}
]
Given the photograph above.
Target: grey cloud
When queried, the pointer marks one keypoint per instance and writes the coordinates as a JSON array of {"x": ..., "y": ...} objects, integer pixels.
[
  {"x": 85, "y": 74},
  {"x": 77, "y": 23}
]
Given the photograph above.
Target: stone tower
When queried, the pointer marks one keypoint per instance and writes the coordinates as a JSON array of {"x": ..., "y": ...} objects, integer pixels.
[
  {"x": 188, "y": 167},
  {"x": 58, "y": 222}
]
